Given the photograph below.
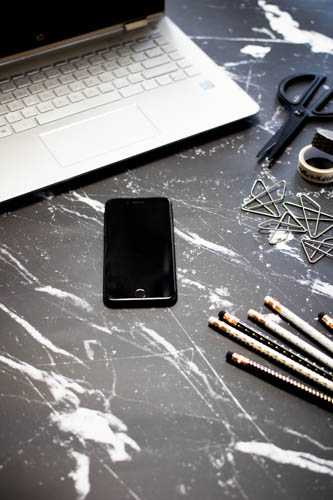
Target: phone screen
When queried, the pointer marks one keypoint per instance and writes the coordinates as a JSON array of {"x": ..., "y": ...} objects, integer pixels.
[{"x": 139, "y": 255}]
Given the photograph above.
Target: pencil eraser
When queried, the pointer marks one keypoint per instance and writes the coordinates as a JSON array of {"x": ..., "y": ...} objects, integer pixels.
[{"x": 221, "y": 315}]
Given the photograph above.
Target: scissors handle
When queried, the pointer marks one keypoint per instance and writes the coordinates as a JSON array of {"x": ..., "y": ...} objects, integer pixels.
[
  {"x": 303, "y": 103},
  {"x": 319, "y": 104},
  {"x": 300, "y": 111}
]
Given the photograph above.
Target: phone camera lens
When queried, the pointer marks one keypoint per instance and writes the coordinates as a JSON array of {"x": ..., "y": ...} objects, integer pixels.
[{"x": 140, "y": 293}]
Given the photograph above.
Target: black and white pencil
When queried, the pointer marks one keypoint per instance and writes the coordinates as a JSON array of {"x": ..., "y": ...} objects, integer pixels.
[
  {"x": 278, "y": 379},
  {"x": 262, "y": 349}
]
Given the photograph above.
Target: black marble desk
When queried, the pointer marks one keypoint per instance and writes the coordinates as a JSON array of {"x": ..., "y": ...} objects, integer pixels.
[{"x": 141, "y": 404}]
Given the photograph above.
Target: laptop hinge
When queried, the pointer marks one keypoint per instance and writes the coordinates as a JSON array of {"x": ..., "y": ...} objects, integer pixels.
[{"x": 140, "y": 23}]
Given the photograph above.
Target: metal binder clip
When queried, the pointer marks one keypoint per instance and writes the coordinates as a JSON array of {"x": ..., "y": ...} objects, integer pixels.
[
  {"x": 255, "y": 202},
  {"x": 281, "y": 228},
  {"x": 314, "y": 234},
  {"x": 319, "y": 249}
]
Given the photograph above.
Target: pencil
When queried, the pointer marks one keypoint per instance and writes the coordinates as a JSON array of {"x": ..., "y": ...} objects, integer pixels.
[
  {"x": 299, "y": 323},
  {"x": 273, "y": 343},
  {"x": 280, "y": 380},
  {"x": 290, "y": 337},
  {"x": 258, "y": 347},
  {"x": 326, "y": 320}
]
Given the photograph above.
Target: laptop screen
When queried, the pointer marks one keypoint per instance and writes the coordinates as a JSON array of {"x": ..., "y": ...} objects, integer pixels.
[{"x": 32, "y": 29}]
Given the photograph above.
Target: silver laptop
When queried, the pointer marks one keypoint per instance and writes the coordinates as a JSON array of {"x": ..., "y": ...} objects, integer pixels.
[{"x": 81, "y": 91}]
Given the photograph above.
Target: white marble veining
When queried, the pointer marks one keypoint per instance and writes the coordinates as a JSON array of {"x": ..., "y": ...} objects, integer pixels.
[{"x": 140, "y": 404}]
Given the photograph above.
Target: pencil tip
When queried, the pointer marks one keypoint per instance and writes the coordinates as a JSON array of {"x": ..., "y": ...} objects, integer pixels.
[
  {"x": 228, "y": 356},
  {"x": 221, "y": 315},
  {"x": 320, "y": 315}
]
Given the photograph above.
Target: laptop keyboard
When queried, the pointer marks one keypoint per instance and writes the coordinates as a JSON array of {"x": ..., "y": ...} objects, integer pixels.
[{"x": 70, "y": 86}]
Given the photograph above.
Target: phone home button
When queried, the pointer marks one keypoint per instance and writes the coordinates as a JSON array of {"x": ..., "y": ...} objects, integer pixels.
[{"x": 140, "y": 293}]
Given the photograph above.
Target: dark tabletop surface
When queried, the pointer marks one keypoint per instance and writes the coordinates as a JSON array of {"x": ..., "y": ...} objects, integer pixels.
[{"x": 141, "y": 404}]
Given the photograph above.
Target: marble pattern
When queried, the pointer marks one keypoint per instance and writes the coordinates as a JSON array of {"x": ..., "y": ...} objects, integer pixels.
[{"x": 140, "y": 404}]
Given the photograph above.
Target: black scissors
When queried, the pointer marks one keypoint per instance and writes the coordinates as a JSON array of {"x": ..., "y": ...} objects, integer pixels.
[{"x": 300, "y": 111}]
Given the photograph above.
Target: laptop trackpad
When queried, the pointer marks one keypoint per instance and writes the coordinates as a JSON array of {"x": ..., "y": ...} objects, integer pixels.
[{"x": 98, "y": 135}]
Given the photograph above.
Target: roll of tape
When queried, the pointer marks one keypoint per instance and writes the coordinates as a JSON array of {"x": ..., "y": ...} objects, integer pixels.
[
  {"x": 323, "y": 140},
  {"x": 315, "y": 165}
]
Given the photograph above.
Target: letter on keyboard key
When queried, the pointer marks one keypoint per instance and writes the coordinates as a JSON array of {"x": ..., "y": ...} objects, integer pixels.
[{"x": 5, "y": 130}]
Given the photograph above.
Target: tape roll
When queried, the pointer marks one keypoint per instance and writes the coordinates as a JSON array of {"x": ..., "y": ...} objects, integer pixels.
[
  {"x": 315, "y": 165},
  {"x": 323, "y": 140}
]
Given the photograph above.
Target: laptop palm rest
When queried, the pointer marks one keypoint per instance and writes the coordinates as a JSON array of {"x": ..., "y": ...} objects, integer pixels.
[{"x": 116, "y": 129}]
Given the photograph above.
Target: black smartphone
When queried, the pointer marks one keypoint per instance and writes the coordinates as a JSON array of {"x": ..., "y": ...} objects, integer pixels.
[{"x": 139, "y": 253}]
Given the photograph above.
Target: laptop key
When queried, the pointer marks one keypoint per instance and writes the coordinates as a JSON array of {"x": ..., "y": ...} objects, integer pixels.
[
  {"x": 164, "y": 79},
  {"x": 43, "y": 107},
  {"x": 4, "y": 98},
  {"x": 140, "y": 56},
  {"x": 132, "y": 90},
  {"x": 91, "y": 92},
  {"x": 61, "y": 91},
  {"x": 106, "y": 77},
  {"x": 59, "y": 102},
  {"x": 14, "y": 117},
  {"x": 120, "y": 83},
  {"x": 31, "y": 100},
  {"x": 20, "y": 93},
  {"x": 7, "y": 87},
  {"x": 52, "y": 84},
  {"x": 149, "y": 84},
  {"x": 52, "y": 73},
  {"x": 66, "y": 79},
  {"x": 92, "y": 81},
  {"x": 36, "y": 88},
  {"x": 81, "y": 74},
  {"x": 141, "y": 46},
  {"x": 5, "y": 131},
  {"x": 154, "y": 52},
  {"x": 24, "y": 125},
  {"x": 47, "y": 95},
  {"x": 76, "y": 86},
  {"x": 15, "y": 105},
  {"x": 178, "y": 75},
  {"x": 156, "y": 61},
  {"x": 74, "y": 108},
  {"x": 160, "y": 70},
  {"x": 30, "y": 111},
  {"x": 120, "y": 72},
  {"x": 106, "y": 87},
  {"x": 22, "y": 82},
  {"x": 76, "y": 97},
  {"x": 37, "y": 77}
]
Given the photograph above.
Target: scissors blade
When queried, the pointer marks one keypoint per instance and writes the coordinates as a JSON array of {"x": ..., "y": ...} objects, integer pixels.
[
  {"x": 280, "y": 140},
  {"x": 264, "y": 151}
]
